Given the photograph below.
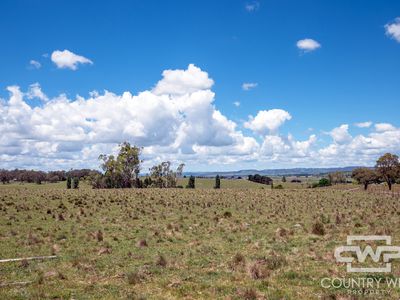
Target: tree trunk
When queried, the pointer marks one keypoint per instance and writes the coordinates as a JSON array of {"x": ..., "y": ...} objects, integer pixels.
[
  {"x": 390, "y": 185},
  {"x": 365, "y": 186}
]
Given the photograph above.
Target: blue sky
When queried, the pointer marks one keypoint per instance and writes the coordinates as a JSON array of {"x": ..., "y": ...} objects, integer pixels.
[{"x": 353, "y": 76}]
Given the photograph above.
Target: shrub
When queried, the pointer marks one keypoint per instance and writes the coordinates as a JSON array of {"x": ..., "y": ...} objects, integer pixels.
[
  {"x": 321, "y": 183},
  {"x": 76, "y": 183},
  {"x": 217, "y": 182},
  {"x": 318, "y": 228},
  {"x": 324, "y": 182},
  {"x": 69, "y": 182},
  {"x": 191, "y": 183}
]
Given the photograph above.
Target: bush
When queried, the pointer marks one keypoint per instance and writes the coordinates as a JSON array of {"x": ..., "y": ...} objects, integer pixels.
[
  {"x": 191, "y": 183},
  {"x": 318, "y": 228},
  {"x": 76, "y": 183},
  {"x": 69, "y": 182},
  {"x": 324, "y": 182},
  {"x": 321, "y": 183},
  {"x": 217, "y": 182}
]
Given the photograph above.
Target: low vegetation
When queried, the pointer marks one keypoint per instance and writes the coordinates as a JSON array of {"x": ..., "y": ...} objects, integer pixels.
[{"x": 182, "y": 243}]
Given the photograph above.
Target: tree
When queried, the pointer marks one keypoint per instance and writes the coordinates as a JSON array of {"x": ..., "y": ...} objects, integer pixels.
[
  {"x": 5, "y": 176},
  {"x": 75, "y": 182},
  {"x": 387, "y": 166},
  {"x": 337, "y": 177},
  {"x": 147, "y": 182},
  {"x": 283, "y": 179},
  {"x": 260, "y": 179},
  {"x": 364, "y": 176},
  {"x": 69, "y": 181},
  {"x": 162, "y": 176},
  {"x": 179, "y": 170},
  {"x": 217, "y": 182},
  {"x": 121, "y": 171},
  {"x": 191, "y": 183},
  {"x": 129, "y": 163},
  {"x": 39, "y": 177}
]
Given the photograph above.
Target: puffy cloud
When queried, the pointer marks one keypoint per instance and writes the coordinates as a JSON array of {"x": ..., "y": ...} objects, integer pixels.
[
  {"x": 249, "y": 86},
  {"x": 35, "y": 91},
  {"x": 67, "y": 59},
  {"x": 341, "y": 134},
  {"x": 308, "y": 45},
  {"x": 381, "y": 127},
  {"x": 267, "y": 121},
  {"x": 178, "y": 82},
  {"x": 177, "y": 120},
  {"x": 393, "y": 30},
  {"x": 361, "y": 150},
  {"x": 363, "y": 124},
  {"x": 236, "y": 103},
  {"x": 286, "y": 151},
  {"x": 35, "y": 64}
]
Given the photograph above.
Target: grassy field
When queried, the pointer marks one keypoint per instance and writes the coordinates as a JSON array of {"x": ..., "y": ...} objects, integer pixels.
[
  {"x": 241, "y": 242},
  {"x": 209, "y": 183}
]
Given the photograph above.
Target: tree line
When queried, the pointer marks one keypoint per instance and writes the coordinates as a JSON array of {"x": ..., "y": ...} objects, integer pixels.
[
  {"x": 261, "y": 179},
  {"x": 122, "y": 171},
  {"x": 31, "y": 176}
]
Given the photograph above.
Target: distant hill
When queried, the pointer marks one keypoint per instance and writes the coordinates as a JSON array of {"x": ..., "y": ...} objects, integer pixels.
[{"x": 274, "y": 172}]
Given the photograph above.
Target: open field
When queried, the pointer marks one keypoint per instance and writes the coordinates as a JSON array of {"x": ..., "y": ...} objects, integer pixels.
[
  {"x": 209, "y": 183},
  {"x": 243, "y": 243}
]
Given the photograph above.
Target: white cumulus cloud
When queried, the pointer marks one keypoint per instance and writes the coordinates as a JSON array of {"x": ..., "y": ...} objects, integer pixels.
[
  {"x": 361, "y": 149},
  {"x": 340, "y": 135},
  {"x": 393, "y": 29},
  {"x": 308, "y": 45},
  {"x": 67, "y": 59},
  {"x": 381, "y": 127},
  {"x": 35, "y": 91},
  {"x": 176, "y": 120},
  {"x": 267, "y": 121},
  {"x": 178, "y": 82}
]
